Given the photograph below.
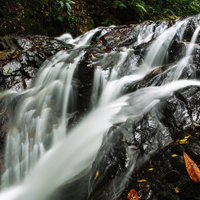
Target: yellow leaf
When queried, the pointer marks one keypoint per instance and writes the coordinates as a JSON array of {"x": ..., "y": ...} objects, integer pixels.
[
  {"x": 183, "y": 140},
  {"x": 141, "y": 181},
  {"x": 177, "y": 189},
  {"x": 37, "y": 46},
  {"x": 192, "y": 168},
  {"x": 97, "y": 174},
  {"x": 186, "y": 137},
  {"x": 197, "y": 125},
  {"x": 150, "y": 169},
  {"x": 174, "y": 155}
]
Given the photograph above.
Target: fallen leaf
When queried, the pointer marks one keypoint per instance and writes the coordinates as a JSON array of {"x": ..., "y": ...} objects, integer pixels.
[
  {"x": 150, "y": 169},
  {"x": 92, "y": 55},
  {"x": 183, "y": 140},
  {"x": 176, "y": 189},
  {"x": 101, "y": 41},
  {"x": 141, "y": 185},
  {"x": 141, "y": 181},
  {"x": 192, "y": 168},
  {"x": 9, "y": 71},
  {"x": 14, "y": 56},
  {"x": 97, "y": 174},
  {"x": 177, "y": 172},
  {"x": 133, "y": 195},
  {"x": 174, "y": 155}
]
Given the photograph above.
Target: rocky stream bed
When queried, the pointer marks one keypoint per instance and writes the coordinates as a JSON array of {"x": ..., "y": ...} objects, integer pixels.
[{"x": 155, "y": 142}]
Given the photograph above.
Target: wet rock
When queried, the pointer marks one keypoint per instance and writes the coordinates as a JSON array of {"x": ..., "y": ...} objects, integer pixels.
[
  {"x": 138, "y": 153},
  {"x": 22, "y": 58},
  {"x": 190, "y": 28},
  {"x": 176, "y": 51},
  {"x": 150, "y": 143}
]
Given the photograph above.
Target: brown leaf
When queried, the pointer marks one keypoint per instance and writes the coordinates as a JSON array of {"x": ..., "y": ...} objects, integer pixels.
[
  {"x": 192, "y": 168},
  {"x": 133, "y": 195}
]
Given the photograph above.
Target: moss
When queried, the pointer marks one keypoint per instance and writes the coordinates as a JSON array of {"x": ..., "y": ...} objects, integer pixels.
[
  {"x": 91, "y": 24},
  {"x": 167, "y": 195},
  {"x": 188, "y": 188}
]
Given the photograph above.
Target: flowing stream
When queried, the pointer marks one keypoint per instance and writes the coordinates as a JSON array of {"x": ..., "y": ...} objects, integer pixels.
[{"x": 41, "y": 148}]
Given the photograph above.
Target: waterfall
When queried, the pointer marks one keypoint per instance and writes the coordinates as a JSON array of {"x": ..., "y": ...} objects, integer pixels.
[{"x": 40, "y": 147}]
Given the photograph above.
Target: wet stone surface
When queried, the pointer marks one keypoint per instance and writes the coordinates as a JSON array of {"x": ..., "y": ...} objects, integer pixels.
[
  {"x": 154, "y": 143},
  {"x": 145, "y": 155},
  {"x": 21, "y": 57}
]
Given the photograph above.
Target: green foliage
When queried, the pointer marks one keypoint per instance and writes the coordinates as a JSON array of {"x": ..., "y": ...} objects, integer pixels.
[
  {"x": 65, "y": 6},
  {"x": 78, "y": 16},
  {"x": 118, "y": 4}
]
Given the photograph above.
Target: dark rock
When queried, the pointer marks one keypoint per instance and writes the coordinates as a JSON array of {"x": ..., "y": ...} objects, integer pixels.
[
  {"x": 150, "y": 143},
  {"x": 136, "y": 150},
  {"x": 25, "y": 55}
]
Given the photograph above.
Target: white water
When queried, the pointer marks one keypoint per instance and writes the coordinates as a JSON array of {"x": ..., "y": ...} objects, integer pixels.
[
  {"x": 35, "y": 169},
  {"x": 193, "y": 41},
  {"x": 158, "y": 49}
]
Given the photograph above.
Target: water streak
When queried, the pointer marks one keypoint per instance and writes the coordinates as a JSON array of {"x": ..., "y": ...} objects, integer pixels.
[{"x": 41, "y": 153}]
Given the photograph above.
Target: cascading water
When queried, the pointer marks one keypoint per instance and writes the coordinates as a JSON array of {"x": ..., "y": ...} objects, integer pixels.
[{"x": 40, "y": 148}]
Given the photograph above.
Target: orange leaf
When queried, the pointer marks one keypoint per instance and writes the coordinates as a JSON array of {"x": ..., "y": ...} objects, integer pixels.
[
  {"x": 101, "y": 41},
  {"x": 133, "y": 195},
  {"x": 14, "y": 56},
  {"x": 192, "y": 168}
]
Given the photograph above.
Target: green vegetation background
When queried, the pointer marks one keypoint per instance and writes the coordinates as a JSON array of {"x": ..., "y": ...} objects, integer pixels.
[{"x": 54, "y": 17}]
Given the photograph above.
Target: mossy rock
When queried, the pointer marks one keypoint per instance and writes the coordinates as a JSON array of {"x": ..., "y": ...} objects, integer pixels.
[
  {"x": 188, "y": 188},
  {"x": 8, "y": 42},
  {"x": 167, "y": 195}
]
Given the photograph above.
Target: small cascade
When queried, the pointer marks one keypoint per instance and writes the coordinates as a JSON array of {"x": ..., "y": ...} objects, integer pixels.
[
  {"x": 193, "y": 41},
  {"x": 42, "y": 152},
  {"x": 158, "y": 50},
  {"x": 146, "y": 32},
  {"x": 98, "y": 85},
  {"x": 26, "y": 140}
]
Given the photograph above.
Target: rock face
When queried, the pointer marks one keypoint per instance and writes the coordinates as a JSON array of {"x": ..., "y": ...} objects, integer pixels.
[
  {"x": 150, "y": 143},
  {"x": 20, "y": 60},
  {"x": 21, "y": 57},
  {"x": 147, "y": 154},
  {"x": 144, "y": 154}
]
